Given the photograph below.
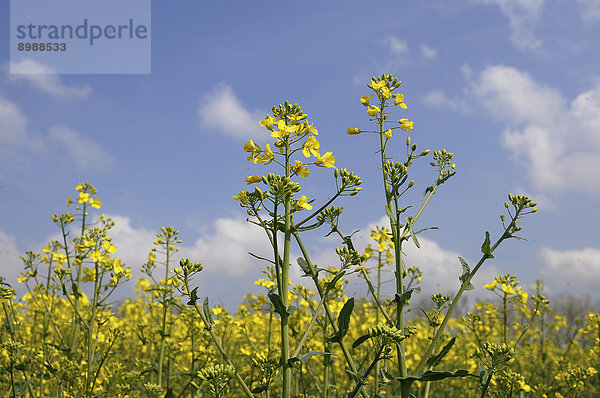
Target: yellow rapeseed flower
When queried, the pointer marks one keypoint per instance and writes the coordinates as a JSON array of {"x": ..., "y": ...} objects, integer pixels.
[
  {"x": 373, "y": 110},
  {"x": 109, "y": 247},
  {"x": 353, "y": 131},
  {"x": 269, "y": 122},
  {"x": 253, "y": 179},
  {"x": 242, "y": 197},
  {"x": 406, "y": 124},
  {"x": 266, "y": 157},
  {"x": 377, "y": 85},
  {"x": 95, "y": 202},
  {"x": 252, "y": 149},
  {"x": 303, "y": 203},
  {"x": 326, "y": 160},
  {"x": 365, "y": 100},
  {"x": 400, "y": 101},
  {"x": 83, "y": 197},
  {"x": 284, "y": 129},
  {"x": 299, "y": 169},
  {"x": 311, "y": 146},
  {"x": 385, "y": 91}
]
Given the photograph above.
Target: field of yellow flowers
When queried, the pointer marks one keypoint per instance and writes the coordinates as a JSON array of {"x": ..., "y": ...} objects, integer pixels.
[{"x": 66, "y": 338}]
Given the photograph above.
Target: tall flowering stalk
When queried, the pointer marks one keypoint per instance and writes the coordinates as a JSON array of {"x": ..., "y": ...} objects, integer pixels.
[
  {"x": 296, "y": 150},
  {"x": 384, "y": 98}
]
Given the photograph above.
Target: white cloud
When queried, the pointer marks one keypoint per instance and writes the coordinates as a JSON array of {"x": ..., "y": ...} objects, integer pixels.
[
  {"x": 16, "y": 139},
  {"x": 46, "y": 79},
  {"x": 428, "y": 52},
  {"x": 133, "y": 244},
  {"x": 522, "y": 16},
  {"x": 221, "y": 110},
  {"x": 86, "y": 153},
  {"x": 437, "y": 99},
  {"x": 225, "y": 251},
  {"x": 397, "y": 46},
  {"x": 13, "y": 128},
  {"x": 557, "y": 141},
  {"x": 10, "y": 263},
  {"x": 579, "y": 270},
  {"x": 590, "y": 10},
  {"x": 229, "y": 271}
]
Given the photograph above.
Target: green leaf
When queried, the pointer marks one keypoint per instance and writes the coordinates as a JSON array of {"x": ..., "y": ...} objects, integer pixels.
[
  {"x": 432, "y": 375},
  {"x": 424, "y": 229},
  {"x": 409, "y": 224},
  {"x": 436, "y": 359},
  {"x": 427, "y": 190},
  {"x": 343, "y": 321},
  {"x": 193, "y": 296},
  {"x": 385, "y": 375},
  {"x": 312, "y": 226},
  {"x": 465, "y": 274},
  {"x": 304, "y": 358},
  {"x": 361, "y": 340},
  {"x": 390, "y": 214},
  {"x": 258, "y": 390},
  {"x": 337, "y": 277},
  {"x": 278, "y": 304},
  {"x": 485, "y": 247},
  {"x": 207, "y": 313},
  {"x": 304, "y": 266},
  {"x": 403, "y": 298}
]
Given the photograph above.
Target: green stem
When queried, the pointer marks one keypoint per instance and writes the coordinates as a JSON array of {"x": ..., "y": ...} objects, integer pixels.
[
  {"x": 74, "y": 335},
  {"x": 285, "y": 270},
  {"x": 90, "y": 331},
  {"x": 308, "y": 328},
  {"x": 165, "y": 308},
  {"x": 505, "y": 318}
]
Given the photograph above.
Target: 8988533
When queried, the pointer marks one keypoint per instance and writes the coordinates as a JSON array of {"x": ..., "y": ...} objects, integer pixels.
[{"x": 42, "y": 47}]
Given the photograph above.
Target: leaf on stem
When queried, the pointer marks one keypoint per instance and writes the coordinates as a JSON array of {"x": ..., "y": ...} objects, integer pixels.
[
  {"x": 207, "y": 313},
  {"x": 465, "y": 274},
  {"x": 436, "y": 359},
  {"x": 403, "y": 298},
  {"x": 278, "y": 304},
  {"x": 409, "y": 224},
  {"x": 390, "y": 214},
  {"x": 485, "y": 247},
  {"x": 304, "y": 266},
  {"x": 343, "y": 321},
  {"x": 432, "y": 375}
]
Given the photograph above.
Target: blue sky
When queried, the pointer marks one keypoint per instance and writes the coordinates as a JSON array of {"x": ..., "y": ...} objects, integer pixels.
[{"x": 512, "y": 87}]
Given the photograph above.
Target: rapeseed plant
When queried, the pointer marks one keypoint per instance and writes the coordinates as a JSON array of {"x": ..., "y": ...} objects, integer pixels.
[{"x": 63, "y": 338}]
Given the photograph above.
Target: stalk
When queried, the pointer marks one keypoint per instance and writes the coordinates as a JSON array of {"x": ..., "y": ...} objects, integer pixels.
[
  {"x": 74, "y": 335},
  {"x": 505, "y": 317},
  {"x": 161, "y": 353},
  {"x": 90, "y": 330},
  {"x": 285, "y": 271}
]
